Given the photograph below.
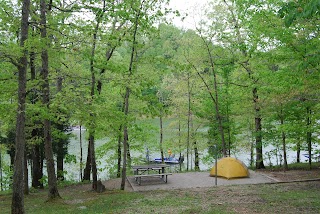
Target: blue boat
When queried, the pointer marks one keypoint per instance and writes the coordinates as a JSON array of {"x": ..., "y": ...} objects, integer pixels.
[{"x": 171, "y": 160}]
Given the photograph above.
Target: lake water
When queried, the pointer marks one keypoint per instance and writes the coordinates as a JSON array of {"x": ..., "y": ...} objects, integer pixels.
[{"x": 244, "y": 156}]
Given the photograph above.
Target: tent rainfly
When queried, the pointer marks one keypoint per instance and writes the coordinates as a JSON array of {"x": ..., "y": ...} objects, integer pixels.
[{"x": 229, "y": 167}]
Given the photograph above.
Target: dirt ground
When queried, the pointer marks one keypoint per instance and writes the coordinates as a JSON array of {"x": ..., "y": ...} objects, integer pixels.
[
  {"x": 277, "y": 175},
  {"x": 292, "y": 175}
]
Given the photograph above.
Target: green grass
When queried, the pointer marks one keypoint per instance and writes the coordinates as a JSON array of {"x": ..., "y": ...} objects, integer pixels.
[
  {"x": 297, "y": 166},
  {"x": 301, "y": 197}
]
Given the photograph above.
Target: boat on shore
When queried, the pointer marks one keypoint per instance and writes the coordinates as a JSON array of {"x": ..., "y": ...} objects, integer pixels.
[{"x": 171, "y": 160}]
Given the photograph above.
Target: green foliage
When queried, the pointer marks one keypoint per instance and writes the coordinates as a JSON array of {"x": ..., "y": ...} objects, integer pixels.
[
  {"x": 70, "y": 158},
  {"x": 7, "y": 174},
  {"x": 299, "y": 10}
]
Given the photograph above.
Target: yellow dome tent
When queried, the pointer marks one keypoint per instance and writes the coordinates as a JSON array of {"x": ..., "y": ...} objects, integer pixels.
[{"x": 229, "y": 167}]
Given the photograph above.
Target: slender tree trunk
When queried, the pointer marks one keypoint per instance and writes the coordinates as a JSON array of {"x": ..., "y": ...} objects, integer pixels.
[
  {"x": 309, "y": 135},
  {"x": 229, "y": 131},
  {"x": 17, "y": 205},
  {"x": 92, "y": 127},
  {"x": 26, "y": 175},
  {"x": 119, "y": 153},
  {"x": 258, "y": 129},
  {"x": 298, "y": 151},
  {"x": 251, "y": 153},
  {"x": 195, "y": 146},
  {"x": 181, "y": 158},
  {"x": 120, "y": 137},
  {"x": 189, "y": 120},
  {"x": 161, "y": 137},
  {"x": 92, "y": 116},
  {"x": 1, "y": 184},
  {"x": 126, "y": 102},
  {"x": 60, "y": 157},
  {"x": 52, "y": 180},
  {"x": 129, "y": 161},
  {"x": 36, "y": 153},
  {"x": 91, "y": 139},
  {"x": 81, "y": 153},
  {"x": 218, "y": 115},
  {"x": 36, "y": 169},
  {"x": 93, "y": 163},
  {"x": 285, "y": 163},
  {"x": 60, "y": 152},
  {"x": 125, "y": 139},
  {"x": 87, "y": 169},
  {"x": 196, "y": 156}
]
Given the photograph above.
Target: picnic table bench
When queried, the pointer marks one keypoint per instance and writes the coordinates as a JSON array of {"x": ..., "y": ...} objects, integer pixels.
[{"x": 151, "y": 170}]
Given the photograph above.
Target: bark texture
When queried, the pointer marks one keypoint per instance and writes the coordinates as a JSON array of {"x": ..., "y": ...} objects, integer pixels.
[
  {"x": 52, "y": 180},
  {"x": 17, "y": 205}
]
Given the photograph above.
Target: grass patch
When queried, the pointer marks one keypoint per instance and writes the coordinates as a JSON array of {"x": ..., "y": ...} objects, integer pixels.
[
  {"x": 301, "y": 197},
  {"x": 295, "y": 166}
]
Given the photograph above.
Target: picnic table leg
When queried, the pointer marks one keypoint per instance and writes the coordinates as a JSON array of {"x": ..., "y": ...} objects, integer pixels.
[
  {"x": 165, "y": 178},
  {"x": 135, "y": 172},
  {"x": 162, "y": 170}
]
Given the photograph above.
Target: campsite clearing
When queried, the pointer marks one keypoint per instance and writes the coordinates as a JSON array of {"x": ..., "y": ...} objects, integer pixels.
[{"x": 299, "y": 197}]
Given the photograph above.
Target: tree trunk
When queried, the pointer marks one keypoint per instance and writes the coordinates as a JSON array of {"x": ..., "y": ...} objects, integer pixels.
[
  {"x": 92, "y": 116},
  {"x": 60, "y": 148},
  {"x": 37, "y": 173},
  {"x": 17, "y": 205},
  {"x": 119, "y": 153},
  {"x": 218, "y": 115},
  {"x": 87, "y": 169},
  {"x": 36, "y": 153},
  {"x": 161, "y": 137},
  {"x": 1, "y": 185},
  {"x": 91, "y": 152},
  {"x": 52, "y": 180},
  {"x": 26, "y": 174},
  {"x": 196, "y": 157},
  {"x": 181, "y": 157},
  {"x": 126, "y": 103},
  {"x": 93, "y": 162},
  {"x": 285, "y": 163},
  {"x": 258, "y": 129},
  {"x": 229, "y": 130},
  {"x": 120, "y": 142},
  {"x": 251, "y": 153},
  {"x": 125, "y": 139},
  {"x": 298, "y": 151},
  {"x": 128, "y": 154},
  {"x": 195, "y": 147},
  {"x": 81, "y": 153},
  {"x": 309, "y": 135},
  {"x": 189, "y": 120},
  {"x": 60, "y": 157}
]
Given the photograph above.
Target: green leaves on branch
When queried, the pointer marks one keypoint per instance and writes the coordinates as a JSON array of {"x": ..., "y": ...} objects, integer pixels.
[{"x": 299, "y": 10}]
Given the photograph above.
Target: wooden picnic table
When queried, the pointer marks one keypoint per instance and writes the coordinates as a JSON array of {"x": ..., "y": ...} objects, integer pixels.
[{"x": 150, "y": 170}]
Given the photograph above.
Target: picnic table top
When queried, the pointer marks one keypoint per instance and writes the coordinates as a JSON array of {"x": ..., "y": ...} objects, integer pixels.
[{"x": 149, "y": 166}]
